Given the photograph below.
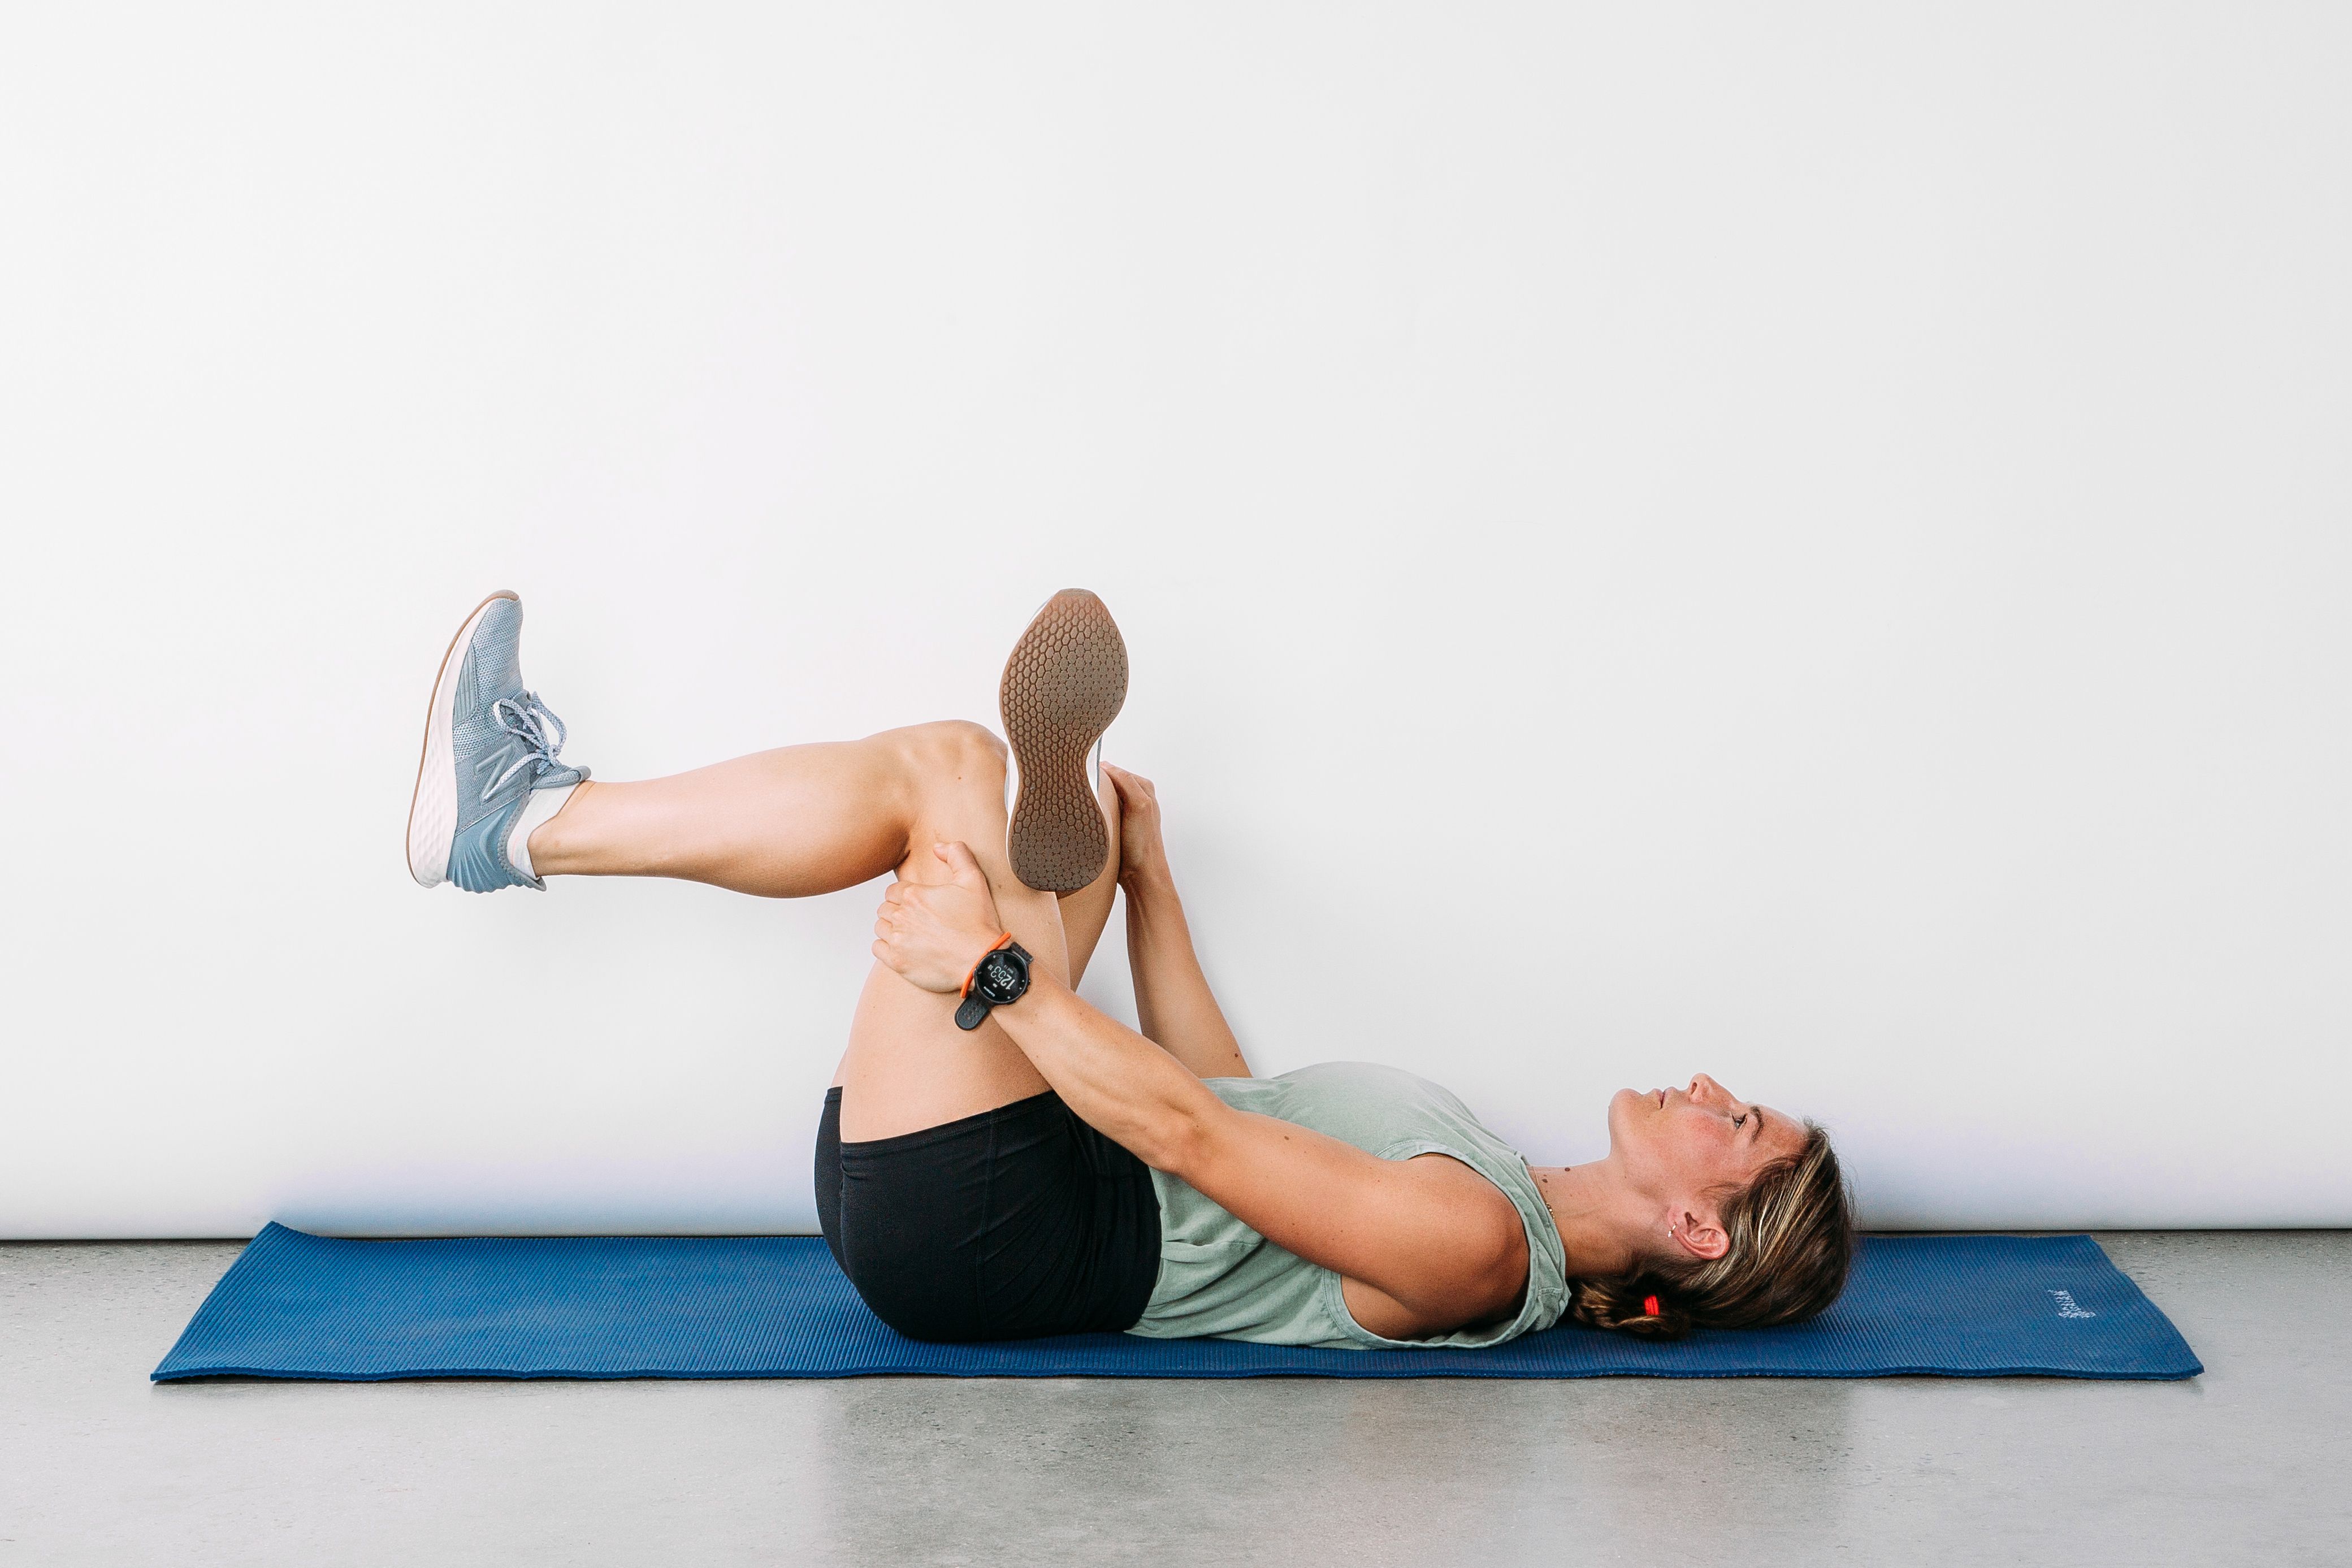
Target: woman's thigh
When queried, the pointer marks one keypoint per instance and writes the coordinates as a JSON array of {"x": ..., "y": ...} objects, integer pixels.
[
  {"x": 959, "y": 1195},
  {"x": 908, "y": 1066}
]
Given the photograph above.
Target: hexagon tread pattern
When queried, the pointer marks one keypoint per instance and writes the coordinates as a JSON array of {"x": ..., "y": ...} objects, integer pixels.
[{"x": 1064, "y": 682}]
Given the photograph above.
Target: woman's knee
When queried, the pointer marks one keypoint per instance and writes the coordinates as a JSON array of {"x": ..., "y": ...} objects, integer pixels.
[{"x": 954, "y": 760}]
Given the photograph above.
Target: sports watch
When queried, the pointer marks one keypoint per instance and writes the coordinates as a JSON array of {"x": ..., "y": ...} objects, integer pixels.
[{"x": 1001, "y": 976}]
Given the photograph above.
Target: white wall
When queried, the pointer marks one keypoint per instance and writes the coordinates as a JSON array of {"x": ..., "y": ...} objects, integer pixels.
[{"x": 1812, "y": 548}]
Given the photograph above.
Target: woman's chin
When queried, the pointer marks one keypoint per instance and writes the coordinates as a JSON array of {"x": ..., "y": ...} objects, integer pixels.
[{"x": 1624, "y": 1103}]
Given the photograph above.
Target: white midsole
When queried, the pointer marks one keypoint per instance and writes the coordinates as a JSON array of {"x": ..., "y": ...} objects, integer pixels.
[{"x": 433, "y": 812}]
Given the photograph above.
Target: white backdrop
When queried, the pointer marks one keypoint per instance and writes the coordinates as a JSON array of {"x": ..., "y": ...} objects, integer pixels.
[{"x": 1814, "y": 547}]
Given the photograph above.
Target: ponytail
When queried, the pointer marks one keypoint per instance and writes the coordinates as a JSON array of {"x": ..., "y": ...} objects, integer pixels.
[{"x": 1639, "y": 1304}]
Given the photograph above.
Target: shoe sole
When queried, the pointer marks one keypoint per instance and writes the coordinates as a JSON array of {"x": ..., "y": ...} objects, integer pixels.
[
  {"x": 1064, "y": 683},
  {"x": 433, "y": 809}
]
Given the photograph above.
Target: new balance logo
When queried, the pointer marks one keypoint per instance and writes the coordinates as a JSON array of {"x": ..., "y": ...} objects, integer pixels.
[{"x": 2067, "y": 1308}]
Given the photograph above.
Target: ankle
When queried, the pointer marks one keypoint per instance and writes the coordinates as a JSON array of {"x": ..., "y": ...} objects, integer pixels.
[{"x": 538, "y": 848}]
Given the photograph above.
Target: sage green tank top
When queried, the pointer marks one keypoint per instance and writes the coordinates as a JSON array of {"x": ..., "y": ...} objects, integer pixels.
[{"x": 1218, "y": 1276}]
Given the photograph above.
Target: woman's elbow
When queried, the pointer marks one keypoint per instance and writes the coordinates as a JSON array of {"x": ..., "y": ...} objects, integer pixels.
[
  {"x": 1162, "y": 1136},
  {"x": 1497, "y": 1280},
  {"x": 1177, "y": 1139}
]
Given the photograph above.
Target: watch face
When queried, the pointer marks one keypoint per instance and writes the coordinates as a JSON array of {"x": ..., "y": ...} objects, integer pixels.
[{"x": 1001, "y": 976}]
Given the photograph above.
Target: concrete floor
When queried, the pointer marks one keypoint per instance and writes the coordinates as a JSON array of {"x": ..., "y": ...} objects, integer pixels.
[{"x": 2248, "y": 1463}]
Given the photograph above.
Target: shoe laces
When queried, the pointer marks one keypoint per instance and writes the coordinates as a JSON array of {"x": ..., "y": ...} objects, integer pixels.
[{"x": 527, "y": 719}]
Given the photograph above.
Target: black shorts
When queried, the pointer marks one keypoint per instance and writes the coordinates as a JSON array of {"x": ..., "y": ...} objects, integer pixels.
[{"x": 1018, "y": 1222}]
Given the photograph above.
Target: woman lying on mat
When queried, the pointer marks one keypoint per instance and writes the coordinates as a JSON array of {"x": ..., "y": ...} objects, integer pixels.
[{"x": 999, "y": 1160}]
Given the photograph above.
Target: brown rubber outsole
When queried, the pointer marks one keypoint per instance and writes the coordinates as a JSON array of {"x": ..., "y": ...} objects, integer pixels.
[{"x": 1064, "y": 684}]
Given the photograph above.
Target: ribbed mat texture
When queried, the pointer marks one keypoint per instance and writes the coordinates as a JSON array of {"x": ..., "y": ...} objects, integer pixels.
[{"x": 294, "y": 1305}]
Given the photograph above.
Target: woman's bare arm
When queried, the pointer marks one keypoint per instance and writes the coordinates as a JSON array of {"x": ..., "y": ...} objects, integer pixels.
[
  {"x": 1425, "y": 1244},
  {"x": 1173, "y": 1000}
]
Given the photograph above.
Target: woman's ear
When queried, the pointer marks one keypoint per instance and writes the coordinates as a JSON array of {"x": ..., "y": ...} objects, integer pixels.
[{"x": 1699, "y": 1235}]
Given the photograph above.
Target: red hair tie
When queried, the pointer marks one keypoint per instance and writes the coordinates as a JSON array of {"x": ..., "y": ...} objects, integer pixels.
[{"x": 1649, "y": 1305}]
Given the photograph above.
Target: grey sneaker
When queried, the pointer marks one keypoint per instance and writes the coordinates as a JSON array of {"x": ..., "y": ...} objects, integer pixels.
[{"x": 488, "y": 743}]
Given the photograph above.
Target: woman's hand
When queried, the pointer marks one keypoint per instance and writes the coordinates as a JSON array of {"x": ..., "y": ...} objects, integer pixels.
[
  {"x": 933, "y": 932},
  {"x": 1142, "y": 857}
]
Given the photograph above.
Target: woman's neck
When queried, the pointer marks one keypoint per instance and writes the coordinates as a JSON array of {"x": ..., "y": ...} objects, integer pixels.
[{"x": 1579, "y": 1198}]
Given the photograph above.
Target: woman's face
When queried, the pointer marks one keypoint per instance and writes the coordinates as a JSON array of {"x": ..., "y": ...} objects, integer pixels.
[{"x": 1685, "y": 1145}]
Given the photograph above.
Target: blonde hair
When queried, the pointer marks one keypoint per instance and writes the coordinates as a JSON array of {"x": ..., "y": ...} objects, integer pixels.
[{"x": 1792, "y": 1233}]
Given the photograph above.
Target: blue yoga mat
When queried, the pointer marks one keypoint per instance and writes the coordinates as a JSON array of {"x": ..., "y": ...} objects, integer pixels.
[{"x": 294, "y": 1305}]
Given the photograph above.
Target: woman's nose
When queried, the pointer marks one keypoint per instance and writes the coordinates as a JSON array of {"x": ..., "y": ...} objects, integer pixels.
[{"x": 1706, "y": 1091}]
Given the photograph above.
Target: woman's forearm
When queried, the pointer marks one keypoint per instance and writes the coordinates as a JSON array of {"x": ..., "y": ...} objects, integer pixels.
[
  {"x": 1172, "y": 999},
  {"x": 1122, "y": 1085}
]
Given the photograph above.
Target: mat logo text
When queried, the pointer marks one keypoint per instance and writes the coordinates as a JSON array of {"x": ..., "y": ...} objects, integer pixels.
[{"x": 2067, "y": 1308}]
